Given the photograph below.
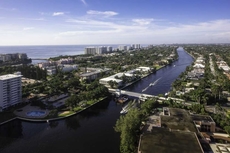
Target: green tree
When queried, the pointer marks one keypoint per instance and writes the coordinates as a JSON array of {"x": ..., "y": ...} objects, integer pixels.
[
  {"x": 72, "y": 101},
  {"x": 148, "y": 106},
  {"x": 129, "y": 126},
  {"x": 227, "y": 129}
]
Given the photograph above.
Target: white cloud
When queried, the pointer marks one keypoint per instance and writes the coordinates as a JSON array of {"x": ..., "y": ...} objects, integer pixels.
[
  {"x": 145, "y": 31},
  {"x": 28, "y": 28},
  {"x": 58, "y": 13},
  {"x": 34, "y": 19},
  {"x": 42, "y": 13},
  {"x": 142, "y": 21},
  {"x": 89, "y": 30},
  {"x": 105, "y": 13},
  {"x": 8, "y": 9},
  {"x": 84, "y": 2}
]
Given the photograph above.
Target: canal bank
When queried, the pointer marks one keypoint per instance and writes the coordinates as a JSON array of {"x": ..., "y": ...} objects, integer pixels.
[
  {"x": 37, "y": 119},
  {"x": 91, "y": 130}
]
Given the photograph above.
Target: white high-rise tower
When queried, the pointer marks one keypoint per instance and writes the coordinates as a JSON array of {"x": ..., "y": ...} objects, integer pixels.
[{"x": 10, "y": 90}]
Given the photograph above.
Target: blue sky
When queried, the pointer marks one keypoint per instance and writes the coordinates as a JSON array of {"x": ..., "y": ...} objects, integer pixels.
[{"x": 63, "y": 22}]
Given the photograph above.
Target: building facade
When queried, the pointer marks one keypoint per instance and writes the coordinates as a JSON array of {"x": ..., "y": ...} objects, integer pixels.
[
  {"x": 10, "y": 90},
  {"x": 90, "y": 50}
]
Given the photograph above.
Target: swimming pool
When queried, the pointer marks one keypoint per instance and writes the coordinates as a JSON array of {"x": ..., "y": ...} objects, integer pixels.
[{"x": 36, "y": 113}]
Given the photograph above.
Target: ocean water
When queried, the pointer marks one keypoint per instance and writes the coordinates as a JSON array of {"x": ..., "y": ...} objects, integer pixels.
[{"x": 45, "y": 52}]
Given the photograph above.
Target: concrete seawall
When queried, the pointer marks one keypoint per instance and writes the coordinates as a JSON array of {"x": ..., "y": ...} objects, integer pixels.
[{"x": 51, "y": 119}]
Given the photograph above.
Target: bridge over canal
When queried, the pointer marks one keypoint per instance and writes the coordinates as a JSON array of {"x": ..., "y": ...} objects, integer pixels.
[{"x": 145, "y": 96}]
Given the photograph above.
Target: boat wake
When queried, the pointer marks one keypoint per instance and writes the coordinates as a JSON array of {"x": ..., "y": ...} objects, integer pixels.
[
  {"x": 155, "y": 82},
  {"x": 151, "y": 84},
  {"x": 145, "y": 89}
]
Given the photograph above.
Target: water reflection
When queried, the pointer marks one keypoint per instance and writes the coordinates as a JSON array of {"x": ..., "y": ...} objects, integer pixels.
[
  {"x": 10, "y": 132},
  {"x": 72, "y": 123},
  {"x": 53, "y": 124},
  {"x": 96, "y": 110},
  {"x": 12, "y": 129}
]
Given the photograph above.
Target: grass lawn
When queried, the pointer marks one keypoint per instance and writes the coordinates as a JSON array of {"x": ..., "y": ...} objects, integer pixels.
[
  {"x": 66, "y": 113},
  {"x": 158, "y": 67}
]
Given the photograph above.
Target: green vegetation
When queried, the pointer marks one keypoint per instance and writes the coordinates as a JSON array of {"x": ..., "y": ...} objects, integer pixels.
[
  {"x": 209, "y": 89},
  {"x": 31, "y": 71},
  {"x": 129, "y": 126},
  {"x": 68, "y": 113}
]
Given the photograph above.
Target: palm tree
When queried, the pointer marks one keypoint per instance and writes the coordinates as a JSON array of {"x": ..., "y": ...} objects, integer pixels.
[{"x": 215, "y": 90}]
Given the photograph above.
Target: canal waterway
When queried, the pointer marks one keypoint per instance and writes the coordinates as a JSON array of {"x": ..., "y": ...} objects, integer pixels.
[{"x": 89, "y": 132}]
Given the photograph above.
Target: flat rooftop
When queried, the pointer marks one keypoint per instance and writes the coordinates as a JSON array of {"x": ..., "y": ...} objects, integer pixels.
[
  {"x": 204, "y": 118},
  {"x": 179, "y": 119},
  {"x": 9, "y": 76},
  {"x": 161, "y": 140}
]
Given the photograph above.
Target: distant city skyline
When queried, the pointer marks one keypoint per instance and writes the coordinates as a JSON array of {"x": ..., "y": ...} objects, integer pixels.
[{"x": 79, "y": 22}]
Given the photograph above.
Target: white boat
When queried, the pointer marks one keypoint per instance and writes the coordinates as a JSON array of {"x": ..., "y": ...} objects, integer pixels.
[
  {"x": 123, "y": 99},
  {"x": 152, "y": 84},
  {"x": 174, "y": 65},
  {"x": 123, "y": 111},
  {"x": 127, "y": 107}
]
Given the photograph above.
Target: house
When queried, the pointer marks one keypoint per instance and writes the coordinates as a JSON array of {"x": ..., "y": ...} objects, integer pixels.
[
  {"x": 68, "y": 68},
  {"x": 198, "y": 65},
  {"x": 105, "y": 81},
  {"x": 144, "y": 69},
  {"x": 93, "y": 73},
  {"x": 204, "y": 123}
]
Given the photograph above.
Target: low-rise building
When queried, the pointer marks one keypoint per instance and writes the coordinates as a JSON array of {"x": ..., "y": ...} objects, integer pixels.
[
  {"x": 51, "y": 70},
  {"x": 105, "y": 81},
  {"x": 93, "y": 73},
  {"x": 204, "y": 123},
  {"x": 144, "y": 69},
  {"x": 68, "y": 68}
]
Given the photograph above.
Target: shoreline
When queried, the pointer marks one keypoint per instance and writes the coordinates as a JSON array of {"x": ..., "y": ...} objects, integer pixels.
[
  {"x": 60, "y": 118},
  {"x": 129, "y": 84},
  {"x": 51, "y": 119}
]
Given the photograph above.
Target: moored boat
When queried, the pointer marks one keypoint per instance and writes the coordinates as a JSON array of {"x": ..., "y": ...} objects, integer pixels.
[
  {"x": 130, "y": 105},
  {"x": 123, "y": 99}
]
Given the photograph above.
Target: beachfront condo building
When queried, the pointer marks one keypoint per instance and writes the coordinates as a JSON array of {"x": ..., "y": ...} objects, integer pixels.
[
  {"x": 90, "y": 50},
  {"x": 10, "y": 90},
  {"x": 96, "y": 50}
]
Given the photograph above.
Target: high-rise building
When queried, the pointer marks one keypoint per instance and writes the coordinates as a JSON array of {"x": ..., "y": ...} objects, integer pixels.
[
  {"x": 137, "y": 46},
  {"x": 132, "y": 46},
  {"x": 122, "y": 47},
  {"x": 101, "y": 50},
  {"x": 90, "y": 50},
  {"x": 10, "y": 90},
  {"x": 109, "y": 49},
  {"x": 22, "y": 56}
]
